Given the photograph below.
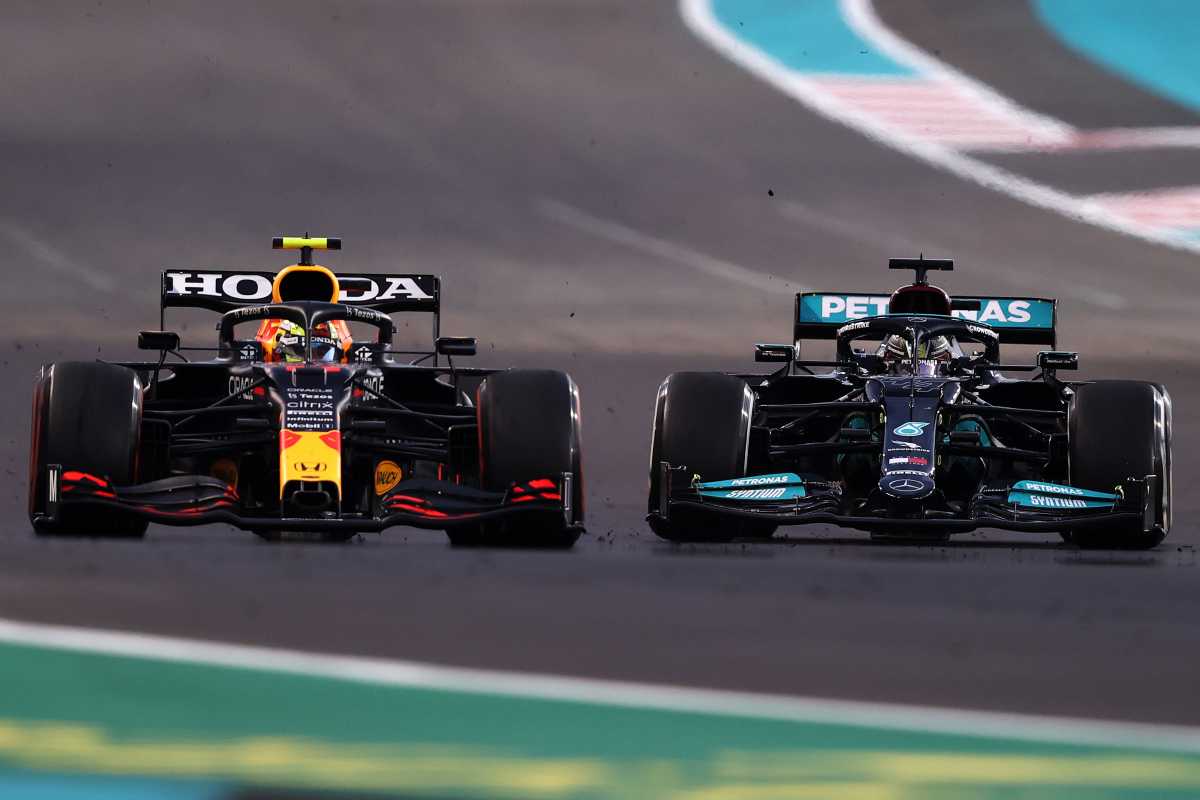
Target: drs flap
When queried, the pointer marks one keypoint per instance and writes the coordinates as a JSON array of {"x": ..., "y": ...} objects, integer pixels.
[{"x": 1018, "y": 320}]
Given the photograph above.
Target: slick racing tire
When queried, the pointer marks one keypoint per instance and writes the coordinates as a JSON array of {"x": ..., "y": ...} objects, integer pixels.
[
  {"x": 528, "y": 429},
  {"x": 1119, "y": 430},
  {"x": 87, "y": 416},
  {"x": 701, "y": 422}
]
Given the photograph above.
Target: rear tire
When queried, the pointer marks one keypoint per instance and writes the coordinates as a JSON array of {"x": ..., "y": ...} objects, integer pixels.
[
  {"x": 528, "y": 429},
  {"x": 702, "y": 422},
  {"x": 1119, "y": 430},
  {"x": 87, "y": 416}
]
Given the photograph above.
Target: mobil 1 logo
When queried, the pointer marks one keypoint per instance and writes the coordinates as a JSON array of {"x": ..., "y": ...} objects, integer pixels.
[{"x": 309, "y": 409}]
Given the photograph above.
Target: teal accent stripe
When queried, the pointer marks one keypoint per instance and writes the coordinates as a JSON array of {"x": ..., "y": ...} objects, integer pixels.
[
  {"x": 1152, "y": 43},
  {"x": 755, "y": 481},
  {"x": 837, "y": 309},
  {"x": 805, "y": 35},
  {"x": 759, "y": 494},
  {"x": 1045, "y": 502},
  {"x": 63, "y": 787},
  {"x": 1062, "y": 490}
]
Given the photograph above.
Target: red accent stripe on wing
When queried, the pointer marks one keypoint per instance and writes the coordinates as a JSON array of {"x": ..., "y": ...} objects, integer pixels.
[{"x": 77, "y": 477}]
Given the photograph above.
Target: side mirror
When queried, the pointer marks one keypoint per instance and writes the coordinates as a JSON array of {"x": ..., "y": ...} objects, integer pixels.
[
  {"x": 1057, "y": 359},
  {"x": 774, "y": 353},
  {"x": 455, "y": 345},
  {"x": 158, "y": 340}
]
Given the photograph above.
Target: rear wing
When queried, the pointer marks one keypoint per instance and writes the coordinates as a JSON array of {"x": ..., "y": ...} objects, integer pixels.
[
  {"x": 225, "y": 290},
  {"x": 1018, "y": 320}
]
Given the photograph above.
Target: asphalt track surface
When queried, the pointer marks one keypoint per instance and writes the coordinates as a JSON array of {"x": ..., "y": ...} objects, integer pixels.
[{"x": 588, "y": 177}]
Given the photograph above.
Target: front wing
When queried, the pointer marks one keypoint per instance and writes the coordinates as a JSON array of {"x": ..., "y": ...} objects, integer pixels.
[
  {"x": 202, "y": 500},
  {"x": 824, "y": 503}
]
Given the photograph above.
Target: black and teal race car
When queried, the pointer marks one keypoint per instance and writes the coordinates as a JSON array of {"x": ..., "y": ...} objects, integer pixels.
[{"x": 920, "y": 434}]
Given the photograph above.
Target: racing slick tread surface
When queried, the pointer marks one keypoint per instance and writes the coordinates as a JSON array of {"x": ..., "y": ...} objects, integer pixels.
[
  {"x": 700, "y": 423},
  {"x": 1114, "y": 437},
  {"x": 528, "y": 430},
  {"x": 91, "y": 419}
]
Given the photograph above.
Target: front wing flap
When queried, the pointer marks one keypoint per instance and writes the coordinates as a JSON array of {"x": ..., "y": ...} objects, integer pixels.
[
  {"x": 807, "y": 502},
  {"x": 203, "y": 500}
]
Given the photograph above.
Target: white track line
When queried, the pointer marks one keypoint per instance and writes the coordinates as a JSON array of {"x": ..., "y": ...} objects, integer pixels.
[
  {"x": 1174, "y": 207},
  {"x": 698, "y": 16},
  {"x": 1114, "y": 139},
  {"x": 860, "y": 15},
  {"x": 662, "y": 248},
  {"x": 416, "y": 675},
  {"x": 54, "y": 259},
  {"x": 942, "y": 111}
]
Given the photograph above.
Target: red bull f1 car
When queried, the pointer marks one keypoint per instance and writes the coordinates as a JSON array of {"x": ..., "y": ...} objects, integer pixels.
[
  {"x": 303, "y": 429},
  {"x": 919, "y": 434}
]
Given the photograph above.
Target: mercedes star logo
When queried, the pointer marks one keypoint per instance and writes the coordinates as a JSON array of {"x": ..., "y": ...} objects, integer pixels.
[{"x": 906, "y": 486}]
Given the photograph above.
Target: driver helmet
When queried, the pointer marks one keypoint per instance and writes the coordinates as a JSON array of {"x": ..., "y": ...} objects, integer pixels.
[
  {"x": 289, "y": 341},
  {"x": 918, "y": 298},
  {"x": 897, "y": 351}
]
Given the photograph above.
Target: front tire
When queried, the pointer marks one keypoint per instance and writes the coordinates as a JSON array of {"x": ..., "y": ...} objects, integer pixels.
[
  {"x": 529, "y": 428},
  {"x": 1119, "y": 430},
  {"x": 87, "y": 416},
  {"x": 702, "y": 422}
]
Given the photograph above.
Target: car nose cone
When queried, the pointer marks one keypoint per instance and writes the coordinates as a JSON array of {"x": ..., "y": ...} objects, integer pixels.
[{"x": 906, "y": 487}]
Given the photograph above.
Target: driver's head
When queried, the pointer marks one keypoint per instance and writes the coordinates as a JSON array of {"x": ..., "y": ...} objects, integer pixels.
[
  {"x": 933, "y": 351},
  {"x": 290, "y": 343},
  {"x": 918, "y": 299},
  {"x": 285, "y": 340}
]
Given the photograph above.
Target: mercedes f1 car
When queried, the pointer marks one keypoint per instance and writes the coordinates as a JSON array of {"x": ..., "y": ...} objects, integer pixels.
[
  {"x": 333, "y": 437},
  {"x": 919, "y": 436}
]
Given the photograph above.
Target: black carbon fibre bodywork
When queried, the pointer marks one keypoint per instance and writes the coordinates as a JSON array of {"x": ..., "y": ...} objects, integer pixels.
[
  {"x": 402, "y": 442},
  {"x": 898, "y": 452}
]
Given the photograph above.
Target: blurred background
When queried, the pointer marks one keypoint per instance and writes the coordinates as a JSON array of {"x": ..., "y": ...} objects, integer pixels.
[{"x": 621, "y": 189}]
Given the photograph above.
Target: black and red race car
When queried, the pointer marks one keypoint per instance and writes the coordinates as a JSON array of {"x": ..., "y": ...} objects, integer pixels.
[
  {"x": 338, "y": 436},
  {"x": 921, "y": 434}
]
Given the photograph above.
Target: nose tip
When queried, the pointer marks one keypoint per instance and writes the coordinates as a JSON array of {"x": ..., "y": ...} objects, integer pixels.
[{"x": 906, "y": 487}]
